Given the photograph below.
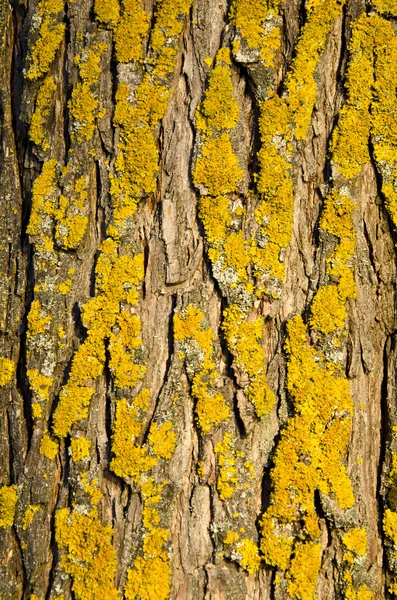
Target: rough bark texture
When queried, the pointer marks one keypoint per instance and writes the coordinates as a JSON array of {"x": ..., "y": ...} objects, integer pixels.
[{"x": 197, "y": 299}]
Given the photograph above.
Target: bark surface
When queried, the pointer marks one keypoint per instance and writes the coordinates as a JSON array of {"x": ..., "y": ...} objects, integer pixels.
[{"x": 198, "y": 211}]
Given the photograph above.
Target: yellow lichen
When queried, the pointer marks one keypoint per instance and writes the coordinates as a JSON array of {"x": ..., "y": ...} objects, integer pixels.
[
  {"x": 117, "y": 278},
  {"x": 302, "y": 88},
  {"x": 257, "y": 24},
  {"x": 43, "y": 200},
  {"x": 107, "y": 11},
  {"x": 162, "y": 439},
  {"x": 355, "y": 542},
  {"x": 80, "y": 448},
  {"x": 44, "y": 104},
  {"x": 309, "y": 455},
  {"x": 39, "y": 384},
  {"x": 49, "y": 447},
  {"x": 37, "y": 410},
  {"x": 87, "y": 554},
  {"x": 130, "y": 459},
  {"x": 197, "y": 343},
  {"x": 7, "y": 370},
  {"x": 150, "y": 576},
  {"x": 84, "y": 103},
  {"x": 227, "y": 479},
  {"x": 8, "y": 500},
  {"x": 302, "y": 574},
  {"x": 72, "y": 219},
  {"x": 130, "y": 31},
  {"x": 274, "y": 213},
  {"x": 50, "y": 35},
  {"x": 243, "y": 340},
  {"x": 29, "y": 515},
  {"x": 37, "y": 320}
]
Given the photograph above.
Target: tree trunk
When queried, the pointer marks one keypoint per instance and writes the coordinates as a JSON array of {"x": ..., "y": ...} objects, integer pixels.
[{"x": 197, "y": 324}]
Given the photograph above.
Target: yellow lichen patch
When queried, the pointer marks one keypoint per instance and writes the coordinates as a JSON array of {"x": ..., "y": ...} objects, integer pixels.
[
  {"x": 80, "y": 448},
  {"x": 50, "y": 35},
  {"x": 44, "y": 103},
  {"x": 243, "y": 339},
  {"x": 162, "y": 439},
  {"x": 217, "y": 168},
  {"x": 150, "y": 576},
  {"x": 244, "y": 550},
  {"x": 123, "y": 344},
  {"x": 87, "y": 554},
  {"x": 37, "y": 320},
  {"x": 302, "y": 574},
  {"x": 65, "y": 287},
  {"x": 43, "y": 201},
  {"x": 137, "y": 162},
  {"x": 383, "y": 113},
  {"x": 39, "y": 384},
  {"x": 355, "y": 542},
  {"x": 7, "y": 370},
  {"x": 130, "y": 31},
  {"x": 350, "y": 152},
  {"x": 37, "y": 410},
  {"x": 8, "y": 500},
  {"x": 302, "y": 88},
  {"x": 84, "y": 103},
  {"x": 387, "y": 7},
  {"x": 49, "y": 447},
  {"x": 107, "y": 11},
  {"x": 258, "y": 27},
  {"x": 29, "y": 515},
  {"x": 390, "y": 525},
  {"x": 197, "y": 345},
  {"x": 228, "y": 473},
  {"x": 328, "y": 311},
  {"x": 274, "y": 213},
  {"x": 130, "y": 459},
  {"x": 117, "y": 278},
  {"x": 72, "y": 219},
  {"x": 309, "y": 455},
  {"x": 219, "y": 109}
]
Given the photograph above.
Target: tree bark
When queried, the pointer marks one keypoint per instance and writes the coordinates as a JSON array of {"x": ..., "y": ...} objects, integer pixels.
[{"x": 197, "y": 326}]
